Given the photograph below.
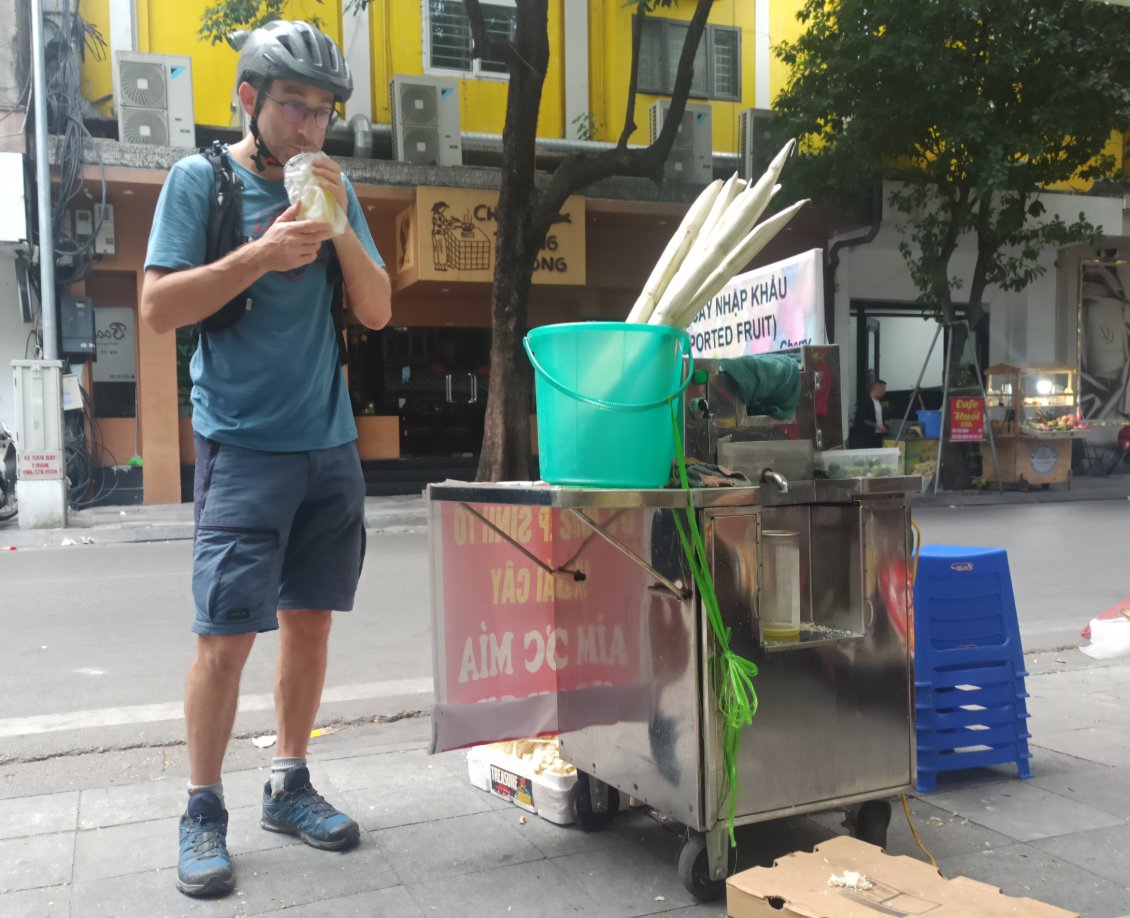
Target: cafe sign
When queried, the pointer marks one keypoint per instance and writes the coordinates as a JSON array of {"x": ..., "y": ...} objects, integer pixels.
[
  {"x": 967, "y": 420},
  {"x": 450, "y": 233}
]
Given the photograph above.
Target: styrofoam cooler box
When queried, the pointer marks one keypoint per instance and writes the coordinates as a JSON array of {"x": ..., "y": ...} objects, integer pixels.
[{"x": 548, "y": 795}]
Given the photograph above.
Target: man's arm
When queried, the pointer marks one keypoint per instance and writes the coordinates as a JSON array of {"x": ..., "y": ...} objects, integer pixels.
[
  {"x": 170, "y": 299},
  {"x": 367, "y": 287},
  {"x": 368, "y": 290}
]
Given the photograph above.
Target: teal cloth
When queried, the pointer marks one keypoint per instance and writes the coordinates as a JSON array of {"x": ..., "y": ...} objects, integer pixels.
[{"x": 767, "y": 383}]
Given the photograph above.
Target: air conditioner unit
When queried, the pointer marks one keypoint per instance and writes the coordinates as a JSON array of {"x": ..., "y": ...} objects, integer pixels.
[
  {"x": 692, "y": 154},
  {"x": 754, "y": 127},
  {"x": 154, "y": 97},
  {"x": 425, "y": 120}
]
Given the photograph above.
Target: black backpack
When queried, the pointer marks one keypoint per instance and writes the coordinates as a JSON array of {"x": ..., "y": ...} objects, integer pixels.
[{"x": 224, "y": 234}]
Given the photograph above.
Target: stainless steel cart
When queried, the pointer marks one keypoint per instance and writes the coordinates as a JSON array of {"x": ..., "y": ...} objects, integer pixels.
[{"x": 569, "y": 610}]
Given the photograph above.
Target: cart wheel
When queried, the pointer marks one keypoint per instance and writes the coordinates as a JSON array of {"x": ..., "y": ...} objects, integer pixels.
[
  {"x": 872, "y": 821},
  {"x": 581, "y": 806},
  {"x": 694, "y": 869}
]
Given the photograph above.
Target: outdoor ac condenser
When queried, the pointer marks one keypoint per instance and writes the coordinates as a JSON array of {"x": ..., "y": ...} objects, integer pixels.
[
  {"x": 154, "y": 97},
  {"x": 692, "y": 154},
  {"x": 425, "y": 120},
  {"x": 753, "y": 141}
]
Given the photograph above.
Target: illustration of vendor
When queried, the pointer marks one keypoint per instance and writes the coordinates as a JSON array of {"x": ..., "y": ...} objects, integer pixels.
[{"x": 441, "y": 223}]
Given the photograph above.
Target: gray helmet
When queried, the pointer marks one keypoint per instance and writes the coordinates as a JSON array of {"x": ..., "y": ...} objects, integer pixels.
[{"x": 285, "y": 50}]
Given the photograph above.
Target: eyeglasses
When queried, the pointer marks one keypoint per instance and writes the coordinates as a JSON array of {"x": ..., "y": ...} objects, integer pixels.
[{"x": 296, "y": 113}]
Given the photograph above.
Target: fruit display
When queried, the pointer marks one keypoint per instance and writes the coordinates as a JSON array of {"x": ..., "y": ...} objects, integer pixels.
[
  {"x": 858, "y": 463},
  {"x": 1065, "y": 423}
]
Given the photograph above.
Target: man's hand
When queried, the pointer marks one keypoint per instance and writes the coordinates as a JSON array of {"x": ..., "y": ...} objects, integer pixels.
[
  {"x": 328, "y": 174},
  {"x": 291, "y": 243}
]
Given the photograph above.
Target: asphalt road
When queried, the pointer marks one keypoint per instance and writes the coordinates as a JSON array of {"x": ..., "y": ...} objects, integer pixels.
[{"x": 95, "y": 638}]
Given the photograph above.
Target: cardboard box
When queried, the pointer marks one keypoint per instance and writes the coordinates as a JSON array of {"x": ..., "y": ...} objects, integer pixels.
[
  {"x": 511, "y": 778},
  {"x": 797, "y": 885}
]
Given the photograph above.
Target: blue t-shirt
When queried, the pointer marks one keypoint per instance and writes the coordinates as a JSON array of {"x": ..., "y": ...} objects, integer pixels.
[{"x": 271, "y": 381}]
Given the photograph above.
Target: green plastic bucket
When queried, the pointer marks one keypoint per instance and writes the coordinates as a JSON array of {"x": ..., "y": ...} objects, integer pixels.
[{"x": 602, "y": 391}]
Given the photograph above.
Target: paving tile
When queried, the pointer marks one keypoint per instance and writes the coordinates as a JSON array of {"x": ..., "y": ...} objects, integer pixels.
[
  {"x": 387, "y": 770},
  {"x": 554, "y": 840},
  {"x": 1022, "y": 811},
  {"x": 943, "y": 833},
  {"x": 433, "y": 797},
  {"x": 391, "y": 902},
  {"x": 1095, "y": 743},
  {"x": 300, "y": 875},
  {"x": 464, "y": 844},
  {"x": 40, "y": 815},
  {"x": 115, "y": 806},
  {"x": 702, "y": 910},
  {"x": 38, "y": 860},
  {"x": 534, "y": 890},
  {"x": 1024, "y": 870},
  {"x": 152, "y": 894},
  {"x": 641, "y": 878},
  {"x": 1104, "y": 788},
  {"x": 48, "y": 902},
  {"x": 1105, "y": 852}
]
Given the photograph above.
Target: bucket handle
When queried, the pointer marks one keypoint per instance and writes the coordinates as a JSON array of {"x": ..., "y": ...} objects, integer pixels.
[{"x": 685, "y": 351}]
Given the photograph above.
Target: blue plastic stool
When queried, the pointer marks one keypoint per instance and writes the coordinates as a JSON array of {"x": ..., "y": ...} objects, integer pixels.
[{"x": 970, "y": 706}]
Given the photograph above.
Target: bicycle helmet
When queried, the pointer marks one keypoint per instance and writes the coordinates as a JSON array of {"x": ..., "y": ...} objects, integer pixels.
[{"x": 290, "y": 50}]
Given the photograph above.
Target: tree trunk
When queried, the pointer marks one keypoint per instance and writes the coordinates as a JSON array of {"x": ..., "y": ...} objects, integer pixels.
[{"x": 506, "y": 437}]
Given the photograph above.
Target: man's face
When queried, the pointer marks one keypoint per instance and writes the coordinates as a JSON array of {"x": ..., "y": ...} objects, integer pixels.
[
  {"x": 878, "y": 390},
  {"x": 282, "y": 103}
]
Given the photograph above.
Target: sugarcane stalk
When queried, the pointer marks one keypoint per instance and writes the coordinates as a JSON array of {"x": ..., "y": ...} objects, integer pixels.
[
  {"x": 674, "y": 253},
  {"x": 701, "y": 261},
  {"x": 740, "y": 256},
  {"x": 733, "y": 187}
]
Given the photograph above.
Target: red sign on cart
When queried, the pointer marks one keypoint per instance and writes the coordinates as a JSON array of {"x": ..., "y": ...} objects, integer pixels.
[{"x": 967, "y": 420}]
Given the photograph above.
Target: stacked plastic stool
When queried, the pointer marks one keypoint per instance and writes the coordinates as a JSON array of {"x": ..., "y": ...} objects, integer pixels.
[{"x": 969, "y": 703}]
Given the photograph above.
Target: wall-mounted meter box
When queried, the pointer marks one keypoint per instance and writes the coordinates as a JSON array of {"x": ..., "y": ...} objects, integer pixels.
[{"x": 38, "y": 389}]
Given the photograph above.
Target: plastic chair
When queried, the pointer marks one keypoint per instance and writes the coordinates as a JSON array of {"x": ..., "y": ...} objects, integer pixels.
[{"x": 970, "y": 702}]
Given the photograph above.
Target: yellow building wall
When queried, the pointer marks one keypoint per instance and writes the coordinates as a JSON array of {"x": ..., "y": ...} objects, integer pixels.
[
  {"x": 165, "y": 27},
  {"x": 610, "y": 55}
]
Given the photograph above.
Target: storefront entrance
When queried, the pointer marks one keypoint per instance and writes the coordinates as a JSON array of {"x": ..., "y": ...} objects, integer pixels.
[{"x": 433, "y": 379}]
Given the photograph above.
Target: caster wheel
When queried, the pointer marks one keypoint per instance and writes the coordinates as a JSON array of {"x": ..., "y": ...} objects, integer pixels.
[
  {"x": 582, "y": 807},
  {"x": 872, "y": 821},
  {"x": 694, "y": 869}
]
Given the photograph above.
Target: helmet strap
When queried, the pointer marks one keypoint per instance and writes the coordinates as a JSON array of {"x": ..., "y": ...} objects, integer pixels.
[{"x": 262, "y": 157}]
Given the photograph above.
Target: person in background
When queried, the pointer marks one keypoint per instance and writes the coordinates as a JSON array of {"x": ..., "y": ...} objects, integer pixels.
[
  {"x": 279, "y": 493},
  {"x": 872, "y": 427}
]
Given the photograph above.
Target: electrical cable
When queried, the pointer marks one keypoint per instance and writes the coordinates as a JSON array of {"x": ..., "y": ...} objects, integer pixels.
[{"x": 914, "y": 832}]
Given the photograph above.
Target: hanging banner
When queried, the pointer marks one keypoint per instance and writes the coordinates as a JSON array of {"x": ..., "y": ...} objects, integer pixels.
[
  {"x": 967, "y": 420},
  {"x": 764, "y": 310}
]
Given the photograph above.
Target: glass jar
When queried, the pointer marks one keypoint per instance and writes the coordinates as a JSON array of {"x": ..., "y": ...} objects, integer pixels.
[{"x": 780, "y": 590}]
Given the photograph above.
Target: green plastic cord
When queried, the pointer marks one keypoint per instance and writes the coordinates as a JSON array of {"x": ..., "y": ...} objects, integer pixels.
[{"x": 737, "y": 698}]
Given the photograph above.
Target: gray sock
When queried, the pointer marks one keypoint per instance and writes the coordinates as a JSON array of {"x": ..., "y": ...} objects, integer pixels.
[
  {"x": 280, "y": 765},
  {"x": 217, "y": 789}
]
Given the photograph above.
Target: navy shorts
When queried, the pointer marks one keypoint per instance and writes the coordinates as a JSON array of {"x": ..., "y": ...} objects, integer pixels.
[{"x": 274, "y": 531}]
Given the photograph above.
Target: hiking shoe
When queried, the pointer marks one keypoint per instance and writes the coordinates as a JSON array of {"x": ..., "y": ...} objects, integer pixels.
[
  {"x": 300, "y": 810},
  {"x": 204, "y": 867}
]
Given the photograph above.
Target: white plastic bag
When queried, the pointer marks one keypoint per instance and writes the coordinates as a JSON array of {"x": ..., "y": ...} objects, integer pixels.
[
  {"x": 1109, "y": 638},
  {"x": 317, "y": 202}
]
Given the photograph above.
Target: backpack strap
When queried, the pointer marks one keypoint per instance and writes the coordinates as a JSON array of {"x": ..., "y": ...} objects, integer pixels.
[
  {"x": 337, "y": 303},
  {"x": 224, "y": 232}
]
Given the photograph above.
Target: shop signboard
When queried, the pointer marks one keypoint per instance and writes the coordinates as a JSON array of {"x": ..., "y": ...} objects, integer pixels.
[
  {"x": 767, "y": 309},
  {"x": 525, "y": 646},
  {"x": 449, "y": 235},
  {"x": 116, "y": 343},
  {"x": 967, "y": 420}
]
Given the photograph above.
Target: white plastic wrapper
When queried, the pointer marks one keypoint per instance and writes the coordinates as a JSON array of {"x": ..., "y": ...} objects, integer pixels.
[{"x": 317, "y": 202}]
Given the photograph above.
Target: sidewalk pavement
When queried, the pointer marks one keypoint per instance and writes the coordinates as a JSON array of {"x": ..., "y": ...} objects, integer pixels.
[
  {"x": 169, "y": 522},
  {"x": 94, "y": 835}
]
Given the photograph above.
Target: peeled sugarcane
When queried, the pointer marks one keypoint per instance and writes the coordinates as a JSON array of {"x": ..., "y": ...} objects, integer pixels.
[
  {"x": 733, "y": 187},
  {"x": 753, "y": 243},
  {"x": 747, "y": 207},
  {"x": 674, "y": 253}
]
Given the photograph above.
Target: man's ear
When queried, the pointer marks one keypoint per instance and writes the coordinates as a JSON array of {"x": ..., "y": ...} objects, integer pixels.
[{"x": 248, "y": 95}]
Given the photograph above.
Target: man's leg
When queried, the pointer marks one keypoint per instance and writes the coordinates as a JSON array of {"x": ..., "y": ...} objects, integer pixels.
[
  {"x": 210, "y": 697},
  {"x": 290, "y": 803},
  {"x": 299, "y": 675}
]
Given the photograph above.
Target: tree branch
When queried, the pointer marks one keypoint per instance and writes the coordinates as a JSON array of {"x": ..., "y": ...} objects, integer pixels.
[
  {"x": 580, "y": 170},
  {"x": 630, "y": 111},
  {"x": 482, "y": 44}
]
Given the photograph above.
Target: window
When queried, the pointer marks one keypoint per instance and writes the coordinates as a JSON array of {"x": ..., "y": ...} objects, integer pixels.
[
  {"x": 449, "y": 36},
  {"x": 717, "y": 70}
]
